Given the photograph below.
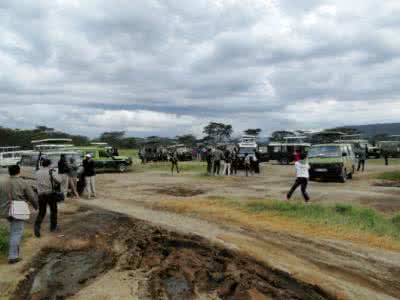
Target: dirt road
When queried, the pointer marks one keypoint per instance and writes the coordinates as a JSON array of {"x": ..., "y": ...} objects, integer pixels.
[
  {"x": 313, "y": 268},
  {"x": 349, "y": 271}
]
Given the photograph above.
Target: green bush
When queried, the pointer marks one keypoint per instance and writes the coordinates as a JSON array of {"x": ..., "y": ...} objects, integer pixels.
[
  {"x": 3, "y": 241},
  {"x": 355, "y": 217}
]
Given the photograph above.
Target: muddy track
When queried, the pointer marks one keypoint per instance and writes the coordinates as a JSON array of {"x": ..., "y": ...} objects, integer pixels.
[{"x": 177, "y": 266}]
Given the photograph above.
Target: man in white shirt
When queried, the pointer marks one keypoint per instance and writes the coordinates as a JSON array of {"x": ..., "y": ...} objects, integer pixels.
[{"x": 302, "y": 174}]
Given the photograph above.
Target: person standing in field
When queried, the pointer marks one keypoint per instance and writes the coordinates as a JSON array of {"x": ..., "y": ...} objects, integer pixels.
[
  {"x": 63, "y": 171},
  {"x": 45, "y": 181},
  {"x": 174, "y": 161},
  {"x": 15, "y": 189},
  {"x": 235, "y": 162},
  {"x": 248, "y": 164},
  {"x": 73, "y": 177},
  {"x": 90, "y": 176},
  {"x": 209, "y": 159},
  {"x": 302, "y": 174},
  {"x": 362, "y": 157},
  {"x": 227, "y": 162},
  {"x": 218, "y": 155}
]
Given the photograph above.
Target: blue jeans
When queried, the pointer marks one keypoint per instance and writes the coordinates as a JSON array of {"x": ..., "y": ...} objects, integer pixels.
[{"x": 16, "y": 231}]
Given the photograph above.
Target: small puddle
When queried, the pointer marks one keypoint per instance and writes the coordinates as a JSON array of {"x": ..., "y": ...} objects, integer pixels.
[
  {"x": 177, "y": 287},
  {"x": 179, "y": 191}
]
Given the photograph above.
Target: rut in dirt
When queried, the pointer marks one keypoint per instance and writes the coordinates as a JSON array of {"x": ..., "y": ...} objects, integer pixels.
[{"x": 178, "y": 266}]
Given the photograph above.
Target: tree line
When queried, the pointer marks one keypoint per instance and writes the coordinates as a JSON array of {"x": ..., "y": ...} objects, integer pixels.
[{"x": 214, "y": 133}]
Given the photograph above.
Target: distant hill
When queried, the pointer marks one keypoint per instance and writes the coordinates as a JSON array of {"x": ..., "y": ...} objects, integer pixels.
[{"x": 371, "y": 130}]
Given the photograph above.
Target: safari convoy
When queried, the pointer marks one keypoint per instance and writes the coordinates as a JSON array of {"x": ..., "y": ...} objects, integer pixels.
[{"x": 335, "y": 160}]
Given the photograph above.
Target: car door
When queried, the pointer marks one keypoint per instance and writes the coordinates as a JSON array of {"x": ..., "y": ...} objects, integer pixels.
[
  {"x": 348, "y": 159},
  {"x": 98, "y": 163}
]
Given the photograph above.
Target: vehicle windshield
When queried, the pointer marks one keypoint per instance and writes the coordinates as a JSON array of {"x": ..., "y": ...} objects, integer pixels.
[
  {"x": 324, "y": 151},
  {"x": 245, "y": 150}
]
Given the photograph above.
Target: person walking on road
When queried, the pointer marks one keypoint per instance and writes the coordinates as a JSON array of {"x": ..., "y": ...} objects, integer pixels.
[
  {"x": 90, "y": 176},
  {"x": 15, "y": 189},
  {"x": 45, "y": 182},
  {"x": 302, "y": 174},
  {"x": 362, "y": 157}
]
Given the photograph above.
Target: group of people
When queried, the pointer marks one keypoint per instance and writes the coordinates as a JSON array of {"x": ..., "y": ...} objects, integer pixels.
[
  {"x": 227, "y": 162},
  {"x": 49, "y": 189}
]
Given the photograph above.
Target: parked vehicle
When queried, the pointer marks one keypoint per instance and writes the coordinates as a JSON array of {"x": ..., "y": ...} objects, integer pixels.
[
  {"x": 30, "y": 161},
  {"x": 390, "y": 148},
  {"x": 105, "y": 160},
  {"x": 184, "y": 153},
  {"x": 284, "y": 152},
  {"x": 53, "y": 144},
  {"x": 332, "y": 161},
  {"x": 10, "y": 156},
  {"x": 247, "y": 145}
]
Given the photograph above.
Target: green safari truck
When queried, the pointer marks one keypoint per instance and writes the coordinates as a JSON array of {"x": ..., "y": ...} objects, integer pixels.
[
  {"x": 105, "y": 160},
  {"x": 336, "y": 161}
]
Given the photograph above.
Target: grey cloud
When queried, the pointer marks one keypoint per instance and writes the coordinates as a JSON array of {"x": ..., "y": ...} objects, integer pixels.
[{"x": 241, "y": 61}]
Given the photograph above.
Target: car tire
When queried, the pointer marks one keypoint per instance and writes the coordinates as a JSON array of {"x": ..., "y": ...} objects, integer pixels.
[
  {"x": 343, "y": 176},
  {"x": 122, "y": 168}
]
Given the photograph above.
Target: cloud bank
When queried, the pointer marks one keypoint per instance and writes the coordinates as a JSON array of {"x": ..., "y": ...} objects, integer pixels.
[{"x": 171, "y": 66}]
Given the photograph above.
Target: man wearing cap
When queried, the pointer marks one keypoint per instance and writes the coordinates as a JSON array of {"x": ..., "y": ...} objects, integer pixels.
[{"x": 90, "y": 174}]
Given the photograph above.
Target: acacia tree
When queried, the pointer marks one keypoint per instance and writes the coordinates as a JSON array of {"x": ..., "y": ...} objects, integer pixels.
[
  {"x": 218, "y": 132},
  {"x": 251, "y": 131},
  {"x": 187, "y": 139},
  {"x": 278, "y": 136}
]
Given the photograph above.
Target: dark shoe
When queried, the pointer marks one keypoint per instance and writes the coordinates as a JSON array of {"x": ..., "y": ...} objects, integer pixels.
[
  {"x": 55, "y": 229},
  {"x": 14, "y": 261},
  {"x": 37, "y": 232}
]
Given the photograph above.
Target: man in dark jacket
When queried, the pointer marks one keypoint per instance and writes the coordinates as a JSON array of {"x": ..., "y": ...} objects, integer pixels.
[
  {"x": 209, "y": 161},
  {"x": 90, "y": 175},
  {"x": 63, "y": 170}
]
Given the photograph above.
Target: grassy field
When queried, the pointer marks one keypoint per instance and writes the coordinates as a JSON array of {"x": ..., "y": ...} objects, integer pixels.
[
  {"x": 134, "y": 153},
  {"x": 345, "y": 222},
  {"x": 380, "y": 161},
  {"x": 353, "y": 217},
  {"x": 393, "y": 176}
]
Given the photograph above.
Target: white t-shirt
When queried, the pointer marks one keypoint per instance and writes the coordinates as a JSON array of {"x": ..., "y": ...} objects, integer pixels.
[{"x": 302, "y": 169}]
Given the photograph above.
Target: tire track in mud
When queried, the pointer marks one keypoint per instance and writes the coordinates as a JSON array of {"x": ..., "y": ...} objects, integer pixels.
[{"x": 178, "y": 266}]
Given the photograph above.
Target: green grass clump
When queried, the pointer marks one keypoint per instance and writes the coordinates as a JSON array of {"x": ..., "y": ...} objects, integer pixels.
[
  {"x": 381, "y": 161},
  {"x": 3, "y": 241},
  {"x": 393, "y": 176},
  {"x": 354, "y": 217}
]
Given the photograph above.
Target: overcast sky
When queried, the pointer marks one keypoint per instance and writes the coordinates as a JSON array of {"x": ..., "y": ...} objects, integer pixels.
[{"x": 168, "y": 67}]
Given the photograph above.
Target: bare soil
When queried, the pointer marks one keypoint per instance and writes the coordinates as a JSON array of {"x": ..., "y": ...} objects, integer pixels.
[{"x": 177, "y": 266}]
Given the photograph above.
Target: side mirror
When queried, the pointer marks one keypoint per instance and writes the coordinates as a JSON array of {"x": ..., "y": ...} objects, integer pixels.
[{"x": 344, "y": 154}]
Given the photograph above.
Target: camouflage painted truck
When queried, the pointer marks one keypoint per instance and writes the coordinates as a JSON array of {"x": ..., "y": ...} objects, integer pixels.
[{"x": 105, "y": 160}]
